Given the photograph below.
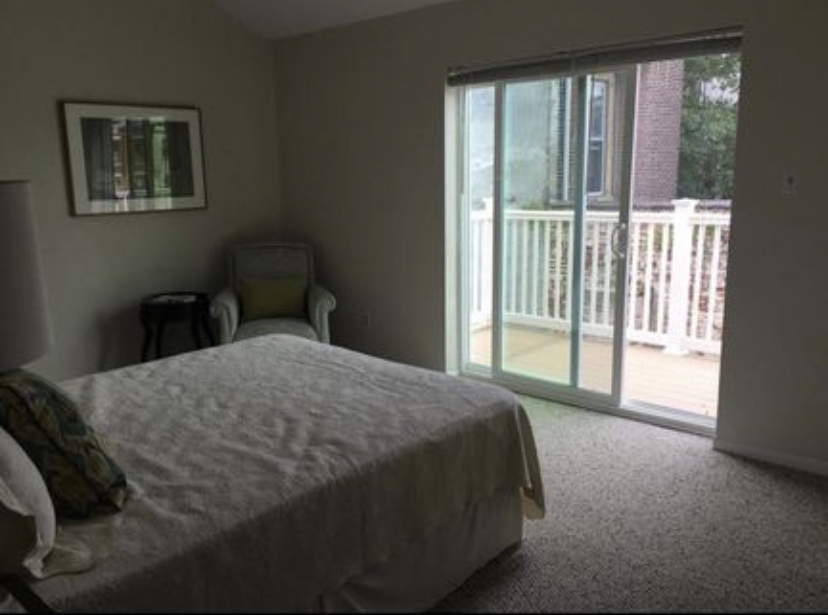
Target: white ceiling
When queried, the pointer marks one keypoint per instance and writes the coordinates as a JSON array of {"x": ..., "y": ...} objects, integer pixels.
[{"x": 280, "y": 18}]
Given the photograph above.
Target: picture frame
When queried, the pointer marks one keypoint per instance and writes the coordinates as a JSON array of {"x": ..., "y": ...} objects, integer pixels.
[{"x": 133, "y": 158}]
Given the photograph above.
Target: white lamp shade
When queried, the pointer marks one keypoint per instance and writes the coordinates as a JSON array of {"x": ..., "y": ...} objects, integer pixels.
[{"x": 25, "y": 333}]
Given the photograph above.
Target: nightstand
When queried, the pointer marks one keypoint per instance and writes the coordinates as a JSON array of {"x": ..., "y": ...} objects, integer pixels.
[{"x": 159, "y": 309}]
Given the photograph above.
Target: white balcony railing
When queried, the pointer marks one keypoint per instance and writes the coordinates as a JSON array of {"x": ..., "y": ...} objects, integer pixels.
[{"x": 677, "y": 265}]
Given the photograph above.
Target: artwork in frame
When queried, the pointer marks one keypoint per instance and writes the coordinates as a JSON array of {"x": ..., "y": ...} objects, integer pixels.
[{"x": 133, "y": 158}]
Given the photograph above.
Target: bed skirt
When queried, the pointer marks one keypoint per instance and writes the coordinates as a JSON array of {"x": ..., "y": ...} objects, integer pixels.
[{"x": 425, "y": 571}]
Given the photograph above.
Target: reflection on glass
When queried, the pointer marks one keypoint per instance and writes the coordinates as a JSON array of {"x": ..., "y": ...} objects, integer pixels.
[
  {"x": 480, "y": 126},
  {"x": 137, "y": 158},
  {"x": 538, "y": 228}
]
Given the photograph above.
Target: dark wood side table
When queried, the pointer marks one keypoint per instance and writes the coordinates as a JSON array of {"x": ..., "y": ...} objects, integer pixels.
[{"x": 159, "y": 309}]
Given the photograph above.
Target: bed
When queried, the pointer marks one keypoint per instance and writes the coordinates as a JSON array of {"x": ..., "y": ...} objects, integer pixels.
[{"x": 281, "y": 474}]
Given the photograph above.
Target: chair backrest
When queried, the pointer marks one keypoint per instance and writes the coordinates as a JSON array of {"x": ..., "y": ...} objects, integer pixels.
[{"x": 270, "y": 261}]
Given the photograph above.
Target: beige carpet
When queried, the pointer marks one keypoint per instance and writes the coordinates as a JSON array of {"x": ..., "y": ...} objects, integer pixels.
[{"x": 643, "y": 519}]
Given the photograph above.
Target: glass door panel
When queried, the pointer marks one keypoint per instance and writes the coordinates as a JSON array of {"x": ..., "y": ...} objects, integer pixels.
[
  {"x": 563, "y": 209},
  {"x": 537, "y": 214},
  {"x": 609, "y": 129},
  {"x": 478, "y": 216}
]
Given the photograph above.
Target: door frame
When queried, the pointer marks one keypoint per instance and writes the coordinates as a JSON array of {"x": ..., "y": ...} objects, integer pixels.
[{"x": 722, "y": 40}]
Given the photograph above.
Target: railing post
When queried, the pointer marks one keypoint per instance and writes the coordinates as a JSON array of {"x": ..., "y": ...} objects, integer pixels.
[{"x": 680, "y": 257}]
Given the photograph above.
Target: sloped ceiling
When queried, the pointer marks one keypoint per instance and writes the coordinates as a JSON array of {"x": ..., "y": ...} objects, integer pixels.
[{"x": 275, "y": 19}]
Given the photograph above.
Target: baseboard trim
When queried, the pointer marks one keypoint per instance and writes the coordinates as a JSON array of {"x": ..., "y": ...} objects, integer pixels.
[{"x": 795, "y": 462}]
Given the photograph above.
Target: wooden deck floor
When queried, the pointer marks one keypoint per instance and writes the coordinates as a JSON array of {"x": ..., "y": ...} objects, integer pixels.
[{"x": 689, "y": 382}]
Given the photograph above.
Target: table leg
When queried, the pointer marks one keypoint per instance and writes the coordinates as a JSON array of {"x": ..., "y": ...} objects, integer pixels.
[
  {"x": 194, "y": 329},
  {"x": 159, "y": 334},
  {"x": 147, "y": 339},
  {"x": 205, "y": 323}
]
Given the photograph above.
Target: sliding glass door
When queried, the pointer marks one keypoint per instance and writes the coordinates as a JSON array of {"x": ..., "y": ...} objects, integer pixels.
[
  {"x": 595, "y": 194},
  {"x": 544, "y": 222}
]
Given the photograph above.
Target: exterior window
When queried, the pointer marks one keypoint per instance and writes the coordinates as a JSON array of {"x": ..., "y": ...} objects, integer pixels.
[{"x": 597, "y": 155}]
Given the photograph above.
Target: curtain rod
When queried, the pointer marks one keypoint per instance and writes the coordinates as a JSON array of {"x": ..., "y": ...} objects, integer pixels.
[{"x": 720, "y": 40}]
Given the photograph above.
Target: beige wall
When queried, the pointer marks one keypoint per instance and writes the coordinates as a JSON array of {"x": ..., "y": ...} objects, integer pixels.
[
  {"x": 774, "y": 388},
  {"x": 183, "y": 52},
  {"x": 363, "y": 173},
  {"x": 360, "y": 113}
]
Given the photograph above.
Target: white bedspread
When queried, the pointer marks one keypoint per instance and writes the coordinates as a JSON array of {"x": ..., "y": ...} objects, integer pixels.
[{"x": 271, "y": 469}]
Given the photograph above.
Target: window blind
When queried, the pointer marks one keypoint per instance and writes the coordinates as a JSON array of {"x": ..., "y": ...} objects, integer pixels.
[{"x": 723, "y": 40}]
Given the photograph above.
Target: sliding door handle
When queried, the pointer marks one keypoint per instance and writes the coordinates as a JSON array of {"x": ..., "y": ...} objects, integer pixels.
[{"x": 618, "y": 241}]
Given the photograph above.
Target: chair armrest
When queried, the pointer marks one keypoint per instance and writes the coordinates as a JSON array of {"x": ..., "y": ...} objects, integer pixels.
[
  {"x": 320, "y": 303},
  {"x": 225, "y": 308}
]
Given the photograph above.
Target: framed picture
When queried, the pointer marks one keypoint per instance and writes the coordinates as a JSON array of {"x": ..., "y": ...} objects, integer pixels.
[{"x": 133, "y": 158}]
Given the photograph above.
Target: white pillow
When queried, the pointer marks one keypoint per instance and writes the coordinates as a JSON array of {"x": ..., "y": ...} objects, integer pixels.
[{"x": 27, "y": 516}]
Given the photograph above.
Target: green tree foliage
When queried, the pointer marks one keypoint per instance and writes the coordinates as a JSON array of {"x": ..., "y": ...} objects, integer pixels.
[{"x": 708, "y": 126}]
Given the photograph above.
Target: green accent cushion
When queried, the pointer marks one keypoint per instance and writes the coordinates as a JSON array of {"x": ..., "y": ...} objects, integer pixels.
[
  {"x": 82, "y": 479},
  {"x": 273, "y": 298}
]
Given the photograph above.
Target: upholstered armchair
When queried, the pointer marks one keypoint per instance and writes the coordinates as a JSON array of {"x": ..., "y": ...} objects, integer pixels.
[{"x": 272, "y": 289}]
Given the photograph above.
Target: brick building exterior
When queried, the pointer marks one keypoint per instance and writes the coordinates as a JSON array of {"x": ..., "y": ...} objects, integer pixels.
[{"x": 658, "y": 132}]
